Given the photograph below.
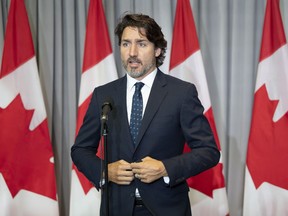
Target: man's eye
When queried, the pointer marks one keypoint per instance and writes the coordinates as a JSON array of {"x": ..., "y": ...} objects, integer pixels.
[
  {"x": 142, "y": 44},
  {"x": 125, "y": 44}
]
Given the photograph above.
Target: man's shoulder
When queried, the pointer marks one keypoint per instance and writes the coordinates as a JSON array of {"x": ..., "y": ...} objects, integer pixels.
[
  {"x": 112, "y": 84},
  {"x": 172, "y": 80}
]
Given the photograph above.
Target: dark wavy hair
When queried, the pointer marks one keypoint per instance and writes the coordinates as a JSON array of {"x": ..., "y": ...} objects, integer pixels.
[{"x": 152, "y": 32}]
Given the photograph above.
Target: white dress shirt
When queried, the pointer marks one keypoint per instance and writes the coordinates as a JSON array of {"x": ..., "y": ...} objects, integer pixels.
[{"x": 146, "y": 89}]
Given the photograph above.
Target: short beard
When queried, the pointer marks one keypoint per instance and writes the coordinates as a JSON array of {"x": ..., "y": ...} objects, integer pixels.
[{"x": 137, "y": 74}]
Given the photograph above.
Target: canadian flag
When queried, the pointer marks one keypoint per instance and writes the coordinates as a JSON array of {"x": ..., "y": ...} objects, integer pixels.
[
  {"x": 27, "y": 176},
  {"x": 266, "y": 179},
  {"x": 98, "y": 68},
  {"x": 207, "y": 190}
]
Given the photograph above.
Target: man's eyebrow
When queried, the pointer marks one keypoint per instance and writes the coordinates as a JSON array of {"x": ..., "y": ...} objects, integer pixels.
[
  {"x": 125, "y": 40},
  {"x": 137, "y": 40},
  {"x": 141, "y": 40}
]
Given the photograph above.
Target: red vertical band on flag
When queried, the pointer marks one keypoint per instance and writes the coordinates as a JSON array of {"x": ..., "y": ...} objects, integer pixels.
[
  {"x": 97, "y": 43},
  {"x": 186, "y": 41},
  {"x": 273, "y": 36},
  {"x": 18, "y": 44}
]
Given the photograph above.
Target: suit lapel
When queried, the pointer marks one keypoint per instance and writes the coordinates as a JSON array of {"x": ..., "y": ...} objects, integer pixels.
[{"x": 157, "y": 94}]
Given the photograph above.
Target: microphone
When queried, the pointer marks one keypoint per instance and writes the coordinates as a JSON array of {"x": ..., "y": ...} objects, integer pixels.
[{"x": 106, "y": 108}]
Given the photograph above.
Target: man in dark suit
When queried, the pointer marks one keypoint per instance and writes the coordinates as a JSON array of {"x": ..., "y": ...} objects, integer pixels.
[{"x": 147, "y": 169}]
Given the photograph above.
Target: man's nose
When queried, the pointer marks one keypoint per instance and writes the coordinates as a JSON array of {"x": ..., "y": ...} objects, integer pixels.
[{"x": 133, "y": 50}]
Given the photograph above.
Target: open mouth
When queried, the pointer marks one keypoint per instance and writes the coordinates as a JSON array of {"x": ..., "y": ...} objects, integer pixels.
[
  {"x": 133, "y": 61},
  {"x": 134, "y": 64}
]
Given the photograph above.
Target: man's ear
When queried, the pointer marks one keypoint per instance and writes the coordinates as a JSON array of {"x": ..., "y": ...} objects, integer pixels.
[{"x": 157, "y": 52}]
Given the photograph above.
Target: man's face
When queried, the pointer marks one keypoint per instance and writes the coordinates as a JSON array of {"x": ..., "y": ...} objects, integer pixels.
[{"x": 138, "y": 54}]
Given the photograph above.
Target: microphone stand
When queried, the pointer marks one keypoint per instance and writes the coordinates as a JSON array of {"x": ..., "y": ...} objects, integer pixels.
[
  {"x": 106, "y": 193},
  {"x": 106, "y": 108}
]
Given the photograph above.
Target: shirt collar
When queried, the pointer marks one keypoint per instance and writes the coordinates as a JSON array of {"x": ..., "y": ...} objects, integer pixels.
[{"x": 148, "y": 80}]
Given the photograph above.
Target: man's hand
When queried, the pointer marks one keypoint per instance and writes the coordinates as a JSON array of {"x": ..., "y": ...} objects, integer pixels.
[
  {"x": 148, "y": 170},
  {"x": 120, "y": 172}
]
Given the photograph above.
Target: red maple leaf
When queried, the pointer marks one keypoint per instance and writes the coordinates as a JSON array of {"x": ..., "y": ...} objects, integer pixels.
[
  {"x": 267, "y": 154},
  {"x": 25, "y": 154}
]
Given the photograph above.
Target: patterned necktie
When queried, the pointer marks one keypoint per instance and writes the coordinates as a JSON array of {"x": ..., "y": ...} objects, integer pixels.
[{"x": 136, "y": 112}]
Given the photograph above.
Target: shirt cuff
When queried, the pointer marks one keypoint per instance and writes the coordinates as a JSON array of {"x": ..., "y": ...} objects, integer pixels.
[{"x": 166, "y": 179}]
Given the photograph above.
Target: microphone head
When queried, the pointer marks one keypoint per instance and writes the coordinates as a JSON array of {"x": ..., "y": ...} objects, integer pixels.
[
  {"x": 107, "y": 104},
  {"x": 106, "y": 108}
]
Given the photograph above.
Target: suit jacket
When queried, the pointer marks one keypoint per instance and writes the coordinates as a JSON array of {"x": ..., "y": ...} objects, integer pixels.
[{"x": 173, "y": 117}]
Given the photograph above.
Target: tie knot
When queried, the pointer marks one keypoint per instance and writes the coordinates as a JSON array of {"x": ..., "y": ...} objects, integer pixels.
[{"x": 138, "y": 86}]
